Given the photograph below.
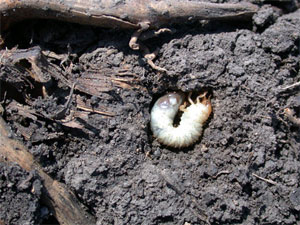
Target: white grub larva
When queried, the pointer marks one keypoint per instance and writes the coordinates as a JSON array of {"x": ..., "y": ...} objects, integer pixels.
[{"x": 190, "y": 127}]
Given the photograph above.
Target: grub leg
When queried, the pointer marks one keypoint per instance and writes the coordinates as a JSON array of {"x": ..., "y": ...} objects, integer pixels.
[
  {"x": 202, "y": 96},
  {"x": 205, "y": 101},
  {"x": 189, "y": 98},
  {"x": 182, "y": 108}
]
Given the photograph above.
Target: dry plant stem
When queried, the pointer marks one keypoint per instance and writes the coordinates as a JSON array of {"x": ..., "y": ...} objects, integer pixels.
[
  {"x": 60, "y": 200},
  {"x": 291, "y": 86},
  {"x": 264, "y": 179},
  {"x": 110, "y": 114},
  {"x": 62, "y": 113},
  {"x": 127, "y": 14}
]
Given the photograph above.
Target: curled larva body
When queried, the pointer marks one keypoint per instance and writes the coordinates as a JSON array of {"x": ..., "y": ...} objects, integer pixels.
[{"x": 190, "y": 127}]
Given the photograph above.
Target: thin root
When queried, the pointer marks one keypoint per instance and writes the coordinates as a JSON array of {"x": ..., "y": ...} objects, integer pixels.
[
  {"x": 151, "y": 34},
  {"x": 150, "y": 57},
  {"x": 158, "y": 68},
  {"x": 135, "y": 45}
]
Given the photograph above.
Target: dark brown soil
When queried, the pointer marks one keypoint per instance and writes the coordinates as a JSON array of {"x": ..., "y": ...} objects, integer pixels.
[{"x": 244, "y": 170}]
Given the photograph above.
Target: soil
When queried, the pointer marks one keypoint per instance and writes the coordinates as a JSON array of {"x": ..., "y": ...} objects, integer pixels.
[{"x": 244, "y": 170}]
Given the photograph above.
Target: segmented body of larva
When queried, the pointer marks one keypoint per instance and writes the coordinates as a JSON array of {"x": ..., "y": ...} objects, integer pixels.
[{"x": 190, "y": 127}]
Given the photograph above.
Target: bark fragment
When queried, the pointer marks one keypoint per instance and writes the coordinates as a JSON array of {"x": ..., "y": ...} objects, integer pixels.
[{"x": 126, "y": 14}]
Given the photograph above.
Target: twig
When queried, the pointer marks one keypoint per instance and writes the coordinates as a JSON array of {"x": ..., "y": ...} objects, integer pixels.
[
  {"x": 110, "y": 13},
  {"x": 140, "y": 15},
  {"x": 291, "y": 86},
  {"x": 61, "y": 114},
  {"x": 264, "y": 179},
  {"x": 96, "y": 111}
]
